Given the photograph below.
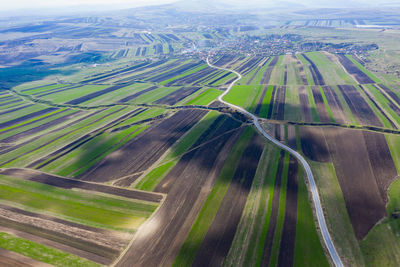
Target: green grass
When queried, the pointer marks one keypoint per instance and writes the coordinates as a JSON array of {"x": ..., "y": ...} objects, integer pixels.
[
  {"x": 305, "y": 64},
  {"x": 328, "y": 108},
  {"x": 292, "y": 104},
  {"x": 394, "y": 146},
  {"x": 79, "y": 206},
  {"x": 184, "y": 74},
  {"x": 313, "y": 107},
  {"x": 42, "y": 253},
  {"x": 68, "y": 95},
  {"x": 200, "y": 227},
  {"x": 266, "y": 102},
  {"x": 154, "y": 95},
  {"x": 382, "y": 245},
  {"x": 205, "y": 98},
  {"x": 308, "y": 248},
  {"x": 244, "y": 96}
]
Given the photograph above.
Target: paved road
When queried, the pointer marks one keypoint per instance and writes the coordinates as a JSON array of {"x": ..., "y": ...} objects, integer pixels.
[{"x": 313, "y": 187}]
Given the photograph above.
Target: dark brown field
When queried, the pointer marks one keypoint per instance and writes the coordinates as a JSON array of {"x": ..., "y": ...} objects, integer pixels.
[
  {"x": 334, "y": 104},
  {"x": 274, "y": 213},
  {"x": 267, "y": 74},
  {"x": 360, "y": 76},
  {"x": 305, "y": 105},
  {"x": 288, "y": 239},
  {"x": 360, "y": 108},
  {"x": 320, "y": 105},
  {"x": 177, "y": 95},
  {"x": 313, "y": 144},
  {"x": 218, "y": 239},
  {"x": 140, "y": 153},
  {"x": 159, "y": 240}
]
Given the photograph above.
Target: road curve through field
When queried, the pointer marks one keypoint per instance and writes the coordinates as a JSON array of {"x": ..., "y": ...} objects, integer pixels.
[{"x": 313, "y": 187}]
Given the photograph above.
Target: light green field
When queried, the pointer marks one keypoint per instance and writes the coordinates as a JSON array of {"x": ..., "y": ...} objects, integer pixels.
[
  {"x": 42, "y": 253},
  {"x": 205, "y": 98},
  {"x": 77, "y": 206}
]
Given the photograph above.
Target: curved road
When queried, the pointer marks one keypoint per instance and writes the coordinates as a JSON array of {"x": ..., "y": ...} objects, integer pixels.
[{"x": 314, "y": 190}]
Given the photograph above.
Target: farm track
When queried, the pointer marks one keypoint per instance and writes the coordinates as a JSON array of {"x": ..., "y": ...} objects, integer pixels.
[{"x": 312, "y": 185}]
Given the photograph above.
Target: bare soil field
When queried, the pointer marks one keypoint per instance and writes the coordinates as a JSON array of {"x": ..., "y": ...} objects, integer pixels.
[
  {"x": 360, "y": 76},
  {"x": 218, "y": 239},
  {"x": 320, "y": 104},
  {"x": 306, "y": 113},
  {"x": 288, "y": 239},
  {"x": 267, "y": 74},
  {"x": 12, "y": 259},
  {"x": 141, "y": 152},
  {"x": 361, "y": 192},
  {"x": 160, "y": 238},
  {"x": 176, "y": 96},
  {"x": 130, "y": 97},
  {"x": 334, "y": 104},
  {"x": 271, "y": 105},
  {"x": 260, "y": 101},
  {"x": 313, "y": 144},
  {"x": 358, "y": 105},
  {"x": 26, "y": 117}
]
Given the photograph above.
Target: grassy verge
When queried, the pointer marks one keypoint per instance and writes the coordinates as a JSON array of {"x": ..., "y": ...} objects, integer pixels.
[{"x": 205, "y": 98}]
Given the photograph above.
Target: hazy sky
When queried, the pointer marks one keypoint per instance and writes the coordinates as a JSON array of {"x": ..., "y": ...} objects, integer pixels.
[{"x": 28, "y": 4}]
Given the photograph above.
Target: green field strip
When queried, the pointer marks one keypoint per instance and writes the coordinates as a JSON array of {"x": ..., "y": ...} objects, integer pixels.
[
  {"x": 141, "y": 71},
  {"x": 32, "y": 120},
  {"x": 223, "y": 80},
  {"x": 190, "y": 97},
  {"x": 42, "y": 253},
  {"x": 267, "y": 101},
  {"x": 244, "y": 96},
  {"x": 336, "y": 215},
  {"x": 313, "y": 106},
  {"x": 250, "y": 232},
  {"x": 20, "y": 113},
  {"x": 154, "y": 95},
  {"x": 363, "y": 69},
  {"x": 91, "y": 152},
  {"x": 378, "y": 113},
  {"x": 184, "y": 74},
  {"x": 332, "y": 73},
  {"x": 97, "y": 210},
  {"x": 200, "y": 227},
  {"x": 305, "y": 64},
  {"x": 293, "y": 74},
  {"x": 281, "y": 213},
  {"x": 292, "y": 104},
  {"x": 37, "y": 124},
  {"x": 155, "y": 176},
  {"x": 328, "y": 108},
  {"x": 349, "y": 114},
  {"x": 114, "y": 96},
  {"x": 394, "y": 146},
  {"x": 169, "y": 69},
  {"x": 45, "y": 88},
  {"x": 147, "y": 114},
  {"x": 74, "y": 132},
  {"x": 259, "y": 76},
  {"x": 308, "y": 248},
  {"x": 68, "y": 95},
  {"x": 382, "y": 244},
  {"x": 278, "y": 72},
  {"x": 256, "y": 99},
  {"x": 205, "y": 98}
]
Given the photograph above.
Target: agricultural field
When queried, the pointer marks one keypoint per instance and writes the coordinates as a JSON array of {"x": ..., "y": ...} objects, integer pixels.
[{"x": 126, "y": 155}]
